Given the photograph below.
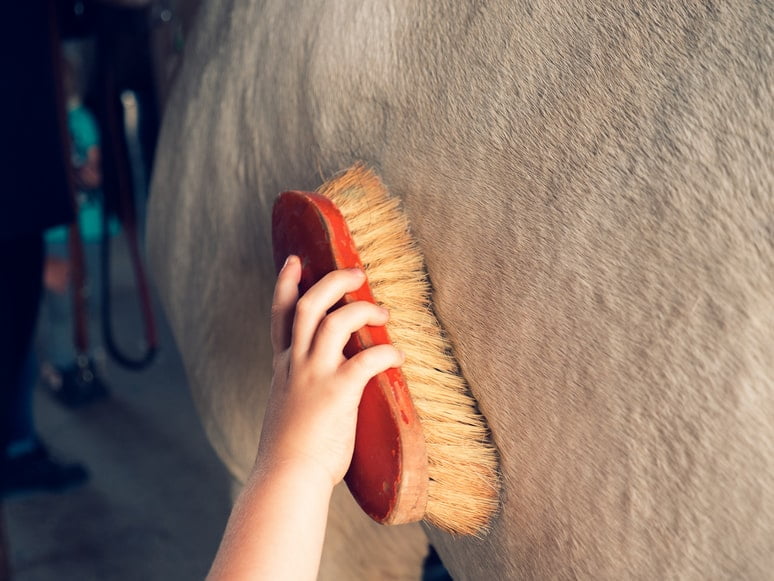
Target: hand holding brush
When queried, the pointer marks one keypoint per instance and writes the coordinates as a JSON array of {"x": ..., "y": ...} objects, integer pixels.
[{"x": 277, "y": 526}]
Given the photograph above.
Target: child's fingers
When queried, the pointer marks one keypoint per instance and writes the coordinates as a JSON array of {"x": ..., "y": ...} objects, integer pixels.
[
  {"x": 359, "y": 369},
  {"x": 335, "y": 329},
  {"x": 313, "y": 306},
  {"x": 284, "y": 303}
]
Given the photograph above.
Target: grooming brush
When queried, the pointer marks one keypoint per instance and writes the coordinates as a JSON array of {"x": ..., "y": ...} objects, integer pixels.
[
  {"x": 388, "y": 473},
  {"x": 423, "y": 450}
]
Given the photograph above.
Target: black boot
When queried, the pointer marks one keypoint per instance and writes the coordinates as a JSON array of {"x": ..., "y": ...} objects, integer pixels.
[
  {"x": 36, "y": 470},
  {"x": 80, "y": 384}
]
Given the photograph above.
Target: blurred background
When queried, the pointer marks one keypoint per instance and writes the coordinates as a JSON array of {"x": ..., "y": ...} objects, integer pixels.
[{"x": 140, "y": 494}]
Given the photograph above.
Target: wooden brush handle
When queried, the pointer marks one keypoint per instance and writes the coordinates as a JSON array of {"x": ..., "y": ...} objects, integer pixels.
[{"x": 388, "y": 474}]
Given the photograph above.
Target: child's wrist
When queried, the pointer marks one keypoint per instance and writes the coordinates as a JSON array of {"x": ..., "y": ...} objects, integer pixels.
[{"x": 305, "y": 471}]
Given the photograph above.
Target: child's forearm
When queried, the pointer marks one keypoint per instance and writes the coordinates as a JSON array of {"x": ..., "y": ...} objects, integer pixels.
[{"x": 277, "y": 527}]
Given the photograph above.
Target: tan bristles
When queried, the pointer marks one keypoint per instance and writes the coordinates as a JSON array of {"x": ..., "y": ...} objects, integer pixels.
[{"x": 463, "y": 463}]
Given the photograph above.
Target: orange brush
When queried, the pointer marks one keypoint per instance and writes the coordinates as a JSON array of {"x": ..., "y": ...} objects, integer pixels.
[
  {"x": 449, "y": 468},
  {"x": 388, "y": 475}
]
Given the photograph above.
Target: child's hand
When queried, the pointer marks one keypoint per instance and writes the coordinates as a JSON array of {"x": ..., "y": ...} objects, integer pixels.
[
  {"x": 277, "y": 527},
  {"x": 312, "y": 409},
  {"x": 56, "y": 275}
]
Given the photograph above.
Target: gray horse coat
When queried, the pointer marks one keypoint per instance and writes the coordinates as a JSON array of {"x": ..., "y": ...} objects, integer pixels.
[{"x": 592, "y": 190}]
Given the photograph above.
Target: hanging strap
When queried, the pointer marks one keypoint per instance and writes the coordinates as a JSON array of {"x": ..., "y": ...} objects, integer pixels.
[
  {"x": 116, "y": 147},
  {"x": 74, "y": 238}
]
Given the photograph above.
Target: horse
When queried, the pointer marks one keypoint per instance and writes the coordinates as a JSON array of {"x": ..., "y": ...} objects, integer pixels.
[{"x": 591, "y": 187}]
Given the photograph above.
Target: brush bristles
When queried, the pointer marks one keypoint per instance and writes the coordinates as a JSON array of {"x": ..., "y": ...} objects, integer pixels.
[{"x": 463, "y": 463}]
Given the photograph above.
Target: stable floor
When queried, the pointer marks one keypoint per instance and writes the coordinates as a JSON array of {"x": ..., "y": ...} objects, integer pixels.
[{"x": 158, "y": 498}]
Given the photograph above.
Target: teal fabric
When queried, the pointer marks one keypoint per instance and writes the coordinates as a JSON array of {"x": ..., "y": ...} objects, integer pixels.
[
  {"x": 84, "y": 133},
  {"x": 90, "y": 218}
]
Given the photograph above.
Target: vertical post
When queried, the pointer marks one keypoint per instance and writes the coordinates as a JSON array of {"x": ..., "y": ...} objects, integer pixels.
[{"x": 5, "y": 558}]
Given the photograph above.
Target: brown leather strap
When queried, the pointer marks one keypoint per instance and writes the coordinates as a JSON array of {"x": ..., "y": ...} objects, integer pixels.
[
  {"x": 117, "y": 149},
  {"x": 75, "y": 241}
]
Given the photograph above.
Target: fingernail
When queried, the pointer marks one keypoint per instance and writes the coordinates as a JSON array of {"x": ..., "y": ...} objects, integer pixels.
[
  {"x": 287, "y": 261},
  {"x": 356, "y": 270}
]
